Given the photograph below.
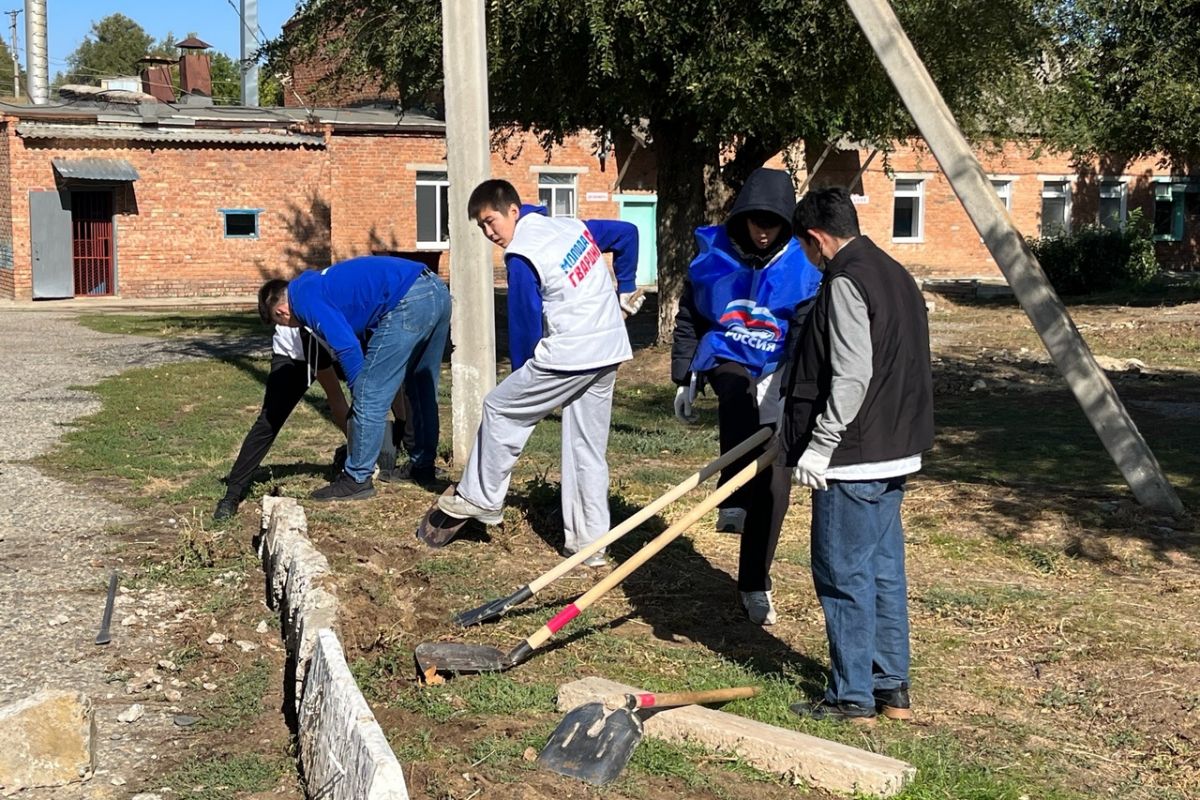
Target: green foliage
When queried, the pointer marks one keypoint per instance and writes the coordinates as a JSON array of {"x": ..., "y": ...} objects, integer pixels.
[
  {"x": 221, "y": 777},
  {"x": 112, "y": 47},
  {"x": 226, "y": 80},
  {"x": 1124, "y": 77},
  {"x": 710, "y": 77},
  {"x": 1094, "y": 259},
  {"x": 6, "y": 72}
]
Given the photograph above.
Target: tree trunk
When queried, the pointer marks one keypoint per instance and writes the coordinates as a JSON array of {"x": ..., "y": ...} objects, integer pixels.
[
  {"x": 726, "y": 181},
  {"x": 681, "y": 209}
]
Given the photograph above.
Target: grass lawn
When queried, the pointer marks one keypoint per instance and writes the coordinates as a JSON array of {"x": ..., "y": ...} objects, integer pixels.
[{"x": 1056, "y": 653}]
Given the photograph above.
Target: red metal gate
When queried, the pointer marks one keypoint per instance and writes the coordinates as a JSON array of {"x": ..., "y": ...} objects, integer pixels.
[{"x": 92, "y": 234}]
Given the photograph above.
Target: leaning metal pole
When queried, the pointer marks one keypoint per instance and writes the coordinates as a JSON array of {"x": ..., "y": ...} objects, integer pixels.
[{"x": 1040, "y": 302}]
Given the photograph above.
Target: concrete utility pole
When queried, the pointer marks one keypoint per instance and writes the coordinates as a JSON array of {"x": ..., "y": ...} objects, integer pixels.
[
  {"x": 249, "y": 52},
  {"x": 1037, "y": 297},
  {"x": 472, "y": 326},
  {"x": 16, "y": 61}
]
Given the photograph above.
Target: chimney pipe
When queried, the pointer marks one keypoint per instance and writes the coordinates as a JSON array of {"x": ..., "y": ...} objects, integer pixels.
[
  {"x": 249, "y": 15},
  {"x": 37, "y": 64},
  {"x": 195, "y": 76}
]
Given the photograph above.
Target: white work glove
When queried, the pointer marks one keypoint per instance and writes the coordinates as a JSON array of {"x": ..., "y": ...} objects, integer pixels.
[
  {"x": 811, "y": 470},
  {"x": 631, "y": 302},
  {"x": 683, "y": 405}
]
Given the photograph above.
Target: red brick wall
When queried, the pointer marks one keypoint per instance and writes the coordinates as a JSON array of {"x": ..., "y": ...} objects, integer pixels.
[
  {"x": 951, "y": 246},
  {"x": 320, "y": 205},
  {"x": 169, "y": 232},
  {"x": 374, "y": 187},
  {"x": 7, "y": 263}
]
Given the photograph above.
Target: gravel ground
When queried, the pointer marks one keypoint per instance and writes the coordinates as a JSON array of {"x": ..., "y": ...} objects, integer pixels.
[{"x": 56, "y": 554}]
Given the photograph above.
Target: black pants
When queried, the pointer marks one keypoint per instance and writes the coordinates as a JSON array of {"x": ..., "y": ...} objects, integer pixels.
[
  {"x": 766, "y": 497},
  {"x": 286, "y": 384}
]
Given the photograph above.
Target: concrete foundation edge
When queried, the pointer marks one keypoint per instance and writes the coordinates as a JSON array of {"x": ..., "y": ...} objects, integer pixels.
[
  {"x": 801, "y": 758},
  {"x": 342, "y": 751}
]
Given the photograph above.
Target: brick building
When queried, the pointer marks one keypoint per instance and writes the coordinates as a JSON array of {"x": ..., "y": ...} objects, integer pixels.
[
  {"x": 148, "y": 199},
  {"x": 912, "y": 212}
]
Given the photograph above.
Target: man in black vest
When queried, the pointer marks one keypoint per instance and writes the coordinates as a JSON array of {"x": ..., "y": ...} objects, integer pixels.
[{"x": 858, "y": 415}]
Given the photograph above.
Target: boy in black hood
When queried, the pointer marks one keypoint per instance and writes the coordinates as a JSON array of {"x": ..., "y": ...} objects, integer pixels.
[{"x": 750, "y": 282}]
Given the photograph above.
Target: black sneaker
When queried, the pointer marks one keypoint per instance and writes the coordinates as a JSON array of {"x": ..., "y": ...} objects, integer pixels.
[
  {"x": 894, "y": 703},
  {"x": 344, "y": 488},
  {"x": 226, "y": 508},
  {"x": 408, "y": 472},
  {"x": 836, "y": 712}
]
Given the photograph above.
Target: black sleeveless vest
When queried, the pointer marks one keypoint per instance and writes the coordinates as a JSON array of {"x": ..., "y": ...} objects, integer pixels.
[{"x": 896, "y": 417}]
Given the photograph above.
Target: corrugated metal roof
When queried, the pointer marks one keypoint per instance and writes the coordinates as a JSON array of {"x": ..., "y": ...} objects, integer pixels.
[
  {"x": 131, "y": 133},
  {"x": 95, "y": 169}
]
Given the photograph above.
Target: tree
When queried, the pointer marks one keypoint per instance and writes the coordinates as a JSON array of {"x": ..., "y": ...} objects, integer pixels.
[
  {"x": 1125, "y": 79},
  {"x": 226, "y": 80},
  {"x": 712, "y": 77},
  {"x": 6, "y": 72},
  {"x": 112, "y": 48}
]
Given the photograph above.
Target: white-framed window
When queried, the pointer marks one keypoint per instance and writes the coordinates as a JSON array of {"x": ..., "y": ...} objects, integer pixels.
[
  {"x": 433, "y": 210},
  {"x": 1112, "y": 209},
  {"x": 1056, "y": 207},
  {"x": 908, "y": 210},
  {"x": 556, "y": 191},
  {"x": 1003, "y": 187},
  {"x": 1169, "y": 210}
]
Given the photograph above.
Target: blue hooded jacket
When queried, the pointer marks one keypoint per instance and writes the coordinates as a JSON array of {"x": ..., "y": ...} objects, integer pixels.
[
  {"x": 739, "y": 301},
  {"x": 344, "y": 302}
]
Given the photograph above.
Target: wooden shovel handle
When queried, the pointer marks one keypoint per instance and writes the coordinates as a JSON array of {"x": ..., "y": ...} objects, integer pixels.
[
  {"x": 651, "y": 549},
  {"x": 649, "y": 510},
  {"x": 667, "y": 699}
]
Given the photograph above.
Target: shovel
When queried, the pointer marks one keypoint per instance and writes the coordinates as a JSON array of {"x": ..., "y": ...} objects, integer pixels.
[
  {"x": 495, "y": 609},
  {"x": 459, "y": 657},
  {"x": 595, "y": 741}
]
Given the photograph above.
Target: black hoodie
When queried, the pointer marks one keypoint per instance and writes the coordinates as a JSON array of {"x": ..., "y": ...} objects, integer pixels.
[{"x": 765, "y": 191}]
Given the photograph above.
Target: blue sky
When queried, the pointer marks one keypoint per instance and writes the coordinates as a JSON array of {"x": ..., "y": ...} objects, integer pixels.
[{"x": 214, "y": 21}]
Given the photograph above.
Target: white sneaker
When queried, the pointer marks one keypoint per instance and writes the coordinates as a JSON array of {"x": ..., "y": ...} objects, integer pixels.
[
  {"x": 731, "y": 520},
  {"x": 457, "y": 506},
  {"x": 759, "y": 607},
  {"x": 596, "y": 560}
]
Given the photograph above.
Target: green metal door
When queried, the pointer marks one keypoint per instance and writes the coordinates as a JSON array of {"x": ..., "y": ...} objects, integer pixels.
[{"x": 640, "y": 209}]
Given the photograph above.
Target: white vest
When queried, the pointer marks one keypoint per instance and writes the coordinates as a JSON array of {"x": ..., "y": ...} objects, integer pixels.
[{"x": 584, "y": 328}]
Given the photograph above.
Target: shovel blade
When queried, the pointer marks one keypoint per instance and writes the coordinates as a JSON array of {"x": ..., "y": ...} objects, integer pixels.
[
  {"x": 591, "y": 746},
  {"x": 437, "y": 528},
  {"x": 456, "y": 657},
  {"x": 494, "y": 609}
]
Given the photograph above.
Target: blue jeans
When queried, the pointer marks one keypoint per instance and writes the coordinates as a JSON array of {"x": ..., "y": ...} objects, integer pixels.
[
  {"x": 858, "y": 572},
  {"x": 407, "y": 348}
]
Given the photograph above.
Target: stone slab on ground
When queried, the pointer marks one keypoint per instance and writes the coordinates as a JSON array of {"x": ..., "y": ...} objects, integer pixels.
[
  {"x": 49, "y": 740},
  {"x": 343, "y": 749},
  {"x": 802, "y": 758}
]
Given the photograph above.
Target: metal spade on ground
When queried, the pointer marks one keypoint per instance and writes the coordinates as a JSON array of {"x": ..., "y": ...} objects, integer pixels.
[
  {"x": 595, "y": 741},
  {"x": 459, "y": 657},
  {"x": 494, "y": 609}
]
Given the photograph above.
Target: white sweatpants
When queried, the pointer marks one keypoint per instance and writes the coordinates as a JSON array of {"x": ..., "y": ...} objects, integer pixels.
[{"x": 510, "y": 412}]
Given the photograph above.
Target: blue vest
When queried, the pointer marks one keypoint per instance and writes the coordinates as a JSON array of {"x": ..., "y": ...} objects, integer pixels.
[{"x": 750, "y": 309}]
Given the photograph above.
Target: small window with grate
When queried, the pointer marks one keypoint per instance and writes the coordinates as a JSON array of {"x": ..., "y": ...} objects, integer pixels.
[{"x": 241, "y": 223}]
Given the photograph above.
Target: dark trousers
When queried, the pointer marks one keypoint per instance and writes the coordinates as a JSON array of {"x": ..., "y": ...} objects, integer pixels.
[
  {"x": 765, "y": 498},
  {"x": 286, "y": 384}
]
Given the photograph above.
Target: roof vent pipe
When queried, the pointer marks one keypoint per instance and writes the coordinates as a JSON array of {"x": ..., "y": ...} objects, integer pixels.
[{"x": 37, "y": 64}]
